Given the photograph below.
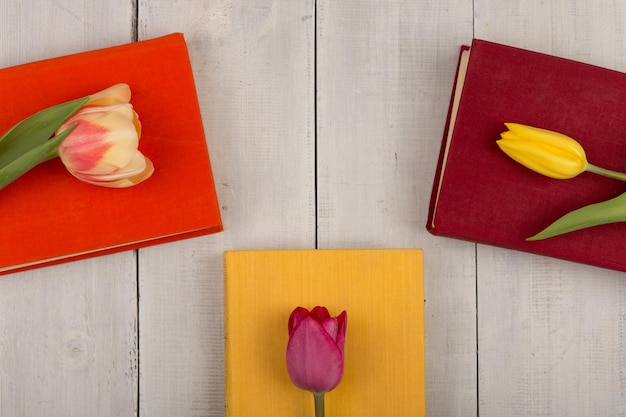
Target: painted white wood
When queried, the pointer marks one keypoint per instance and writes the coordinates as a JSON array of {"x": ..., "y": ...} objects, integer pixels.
[
  {"x": 68, "y": 336},
  {"x": 384, "y": 76},
  {"x": 34, "y": 30},
  {"x": 253, "y": 63},
  {"x": 551, "y": 333},
  {"x": 68, "y": 340}
]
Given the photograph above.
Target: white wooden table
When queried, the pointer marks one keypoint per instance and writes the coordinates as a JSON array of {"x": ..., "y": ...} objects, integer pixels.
[{"x": 323, "y": 120}]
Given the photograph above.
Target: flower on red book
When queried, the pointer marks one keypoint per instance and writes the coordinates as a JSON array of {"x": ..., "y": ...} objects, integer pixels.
[
  {"x": 97, "y": 138},
  {"x": 102, "y": 149},
  {"x": 559, "y": 156},
  {"x": 549, "y": 153},
  {"x": 315, "y": 359}
]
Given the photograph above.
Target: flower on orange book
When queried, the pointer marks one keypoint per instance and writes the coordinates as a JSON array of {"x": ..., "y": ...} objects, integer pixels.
[
  {"x": 558, "y": 156},
  {"x": 315, "y": 360},
  {"x": 96, "y": 137},
  {"x": 102, "y": 149}
]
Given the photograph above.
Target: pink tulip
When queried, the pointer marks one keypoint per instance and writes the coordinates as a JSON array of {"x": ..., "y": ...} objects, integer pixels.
[
  {"x": 315, "y": 349},
  {"x": 103, "y": 147}
]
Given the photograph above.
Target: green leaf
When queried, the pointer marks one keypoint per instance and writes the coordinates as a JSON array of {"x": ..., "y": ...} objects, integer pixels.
[
  {"x": 35, "y": 130},
  {"x": 31, "y": 158},
  {"x": 610, "y": 211}
]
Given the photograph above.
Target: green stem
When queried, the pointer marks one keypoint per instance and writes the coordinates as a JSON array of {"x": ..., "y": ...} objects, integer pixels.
[
  {"x": 606, "y": 172},
  {"x": 319, "y": 404}
]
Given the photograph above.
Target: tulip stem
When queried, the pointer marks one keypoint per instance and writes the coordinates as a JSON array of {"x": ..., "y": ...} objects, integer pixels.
[
  {"x": 319, "y": 404},
  {"x": 606, "y": 172}
]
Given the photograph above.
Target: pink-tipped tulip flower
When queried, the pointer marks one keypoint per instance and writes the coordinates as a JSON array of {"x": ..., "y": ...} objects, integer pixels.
[
  {"x": 315, "y": 358},
  {"x": 103, "y": 147}
]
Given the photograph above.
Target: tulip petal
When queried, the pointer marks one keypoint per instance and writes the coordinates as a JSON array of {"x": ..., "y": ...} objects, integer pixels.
[
  {"x": 314, "y": 361},
  {"x": 137, "y": 178},
  {"x": 342, "y": 322},
  {"x": 137, "y": 166},
  {"x": 140, "y": 169},
  {"x": 549, "y": 153},
  {"x": 125, "y": 109},
  {"x": 331, "y": 326},
  {"x": 118, "y": 93},
  {"x": 320, "y": 313},
  {"x": 297, "y": 315},
  {"x": 547, "y": 160},
  {"x": 100, "y": 144}
]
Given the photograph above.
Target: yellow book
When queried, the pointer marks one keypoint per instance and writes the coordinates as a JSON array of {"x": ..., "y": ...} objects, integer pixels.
[{"x": 382, "y": 293}]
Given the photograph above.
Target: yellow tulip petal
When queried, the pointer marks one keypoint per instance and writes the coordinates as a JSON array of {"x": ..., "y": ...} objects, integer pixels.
[{"x": 549, "y": 153}]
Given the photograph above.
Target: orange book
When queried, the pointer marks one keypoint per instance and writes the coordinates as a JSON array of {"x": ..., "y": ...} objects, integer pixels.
[
  {"x": 48, "y": 216},
  {"x": 382, "y": 292}
]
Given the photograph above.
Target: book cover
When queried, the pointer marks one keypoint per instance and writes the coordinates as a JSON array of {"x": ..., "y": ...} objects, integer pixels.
[
  {"x": 481, "y": 195},
  {"x": 48, "y": 216},
  {"x": 382, "y": 292}
]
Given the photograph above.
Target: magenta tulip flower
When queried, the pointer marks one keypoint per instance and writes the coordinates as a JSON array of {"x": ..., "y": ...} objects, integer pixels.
[{"x": 315, "y": 358}]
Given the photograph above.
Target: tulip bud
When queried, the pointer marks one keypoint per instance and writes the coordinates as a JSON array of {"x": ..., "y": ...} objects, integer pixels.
[
  {"x": 103, "y": 147},
  {"x": 315, "y": 358},
  {"x": 549, "y": 153}
]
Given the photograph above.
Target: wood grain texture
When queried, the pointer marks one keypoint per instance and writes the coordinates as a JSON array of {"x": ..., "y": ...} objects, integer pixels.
[
  {"x": 68, "y": 339},
  {"x": 550, "y": 332},
  {"x": 384, "y": 77},
  {"x": 253, "y": 63},
  {"x": 68, "y": 334},
  {"x": 33, "y": 30}
]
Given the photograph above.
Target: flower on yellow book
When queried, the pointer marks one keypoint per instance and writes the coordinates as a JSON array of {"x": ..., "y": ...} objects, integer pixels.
[
  {"x": 558, "y": 156},
  {"x": 315, "y": 351},
  {"x": 96, "y": 137},
  {"x": 103, "y": 149}
]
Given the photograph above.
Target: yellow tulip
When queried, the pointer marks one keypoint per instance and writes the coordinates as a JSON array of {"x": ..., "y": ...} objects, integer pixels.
[
  {"x": 102, "y": 148},
  {"x": 549, "y": 153},
  {"x": 558, "y": 156}
]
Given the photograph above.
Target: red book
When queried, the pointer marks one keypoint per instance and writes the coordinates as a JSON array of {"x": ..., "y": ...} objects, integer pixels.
[
  {"x": 48, "y": 216},
  {"x": 482, "y": 195}
]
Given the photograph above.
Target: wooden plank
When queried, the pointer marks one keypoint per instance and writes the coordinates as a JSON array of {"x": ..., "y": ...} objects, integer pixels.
[
  {"x": 385, "y": 73},
  {"x": 551, "y": 336},
  {"x": 253, "y": 63},
  {"x": 33, "y": 30},
  {"x": 68, "y": 337},
  {"x": 551, "y": 333}
]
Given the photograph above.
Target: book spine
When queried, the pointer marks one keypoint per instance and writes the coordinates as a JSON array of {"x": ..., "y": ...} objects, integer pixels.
[{"x": 430, "y": 226}]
